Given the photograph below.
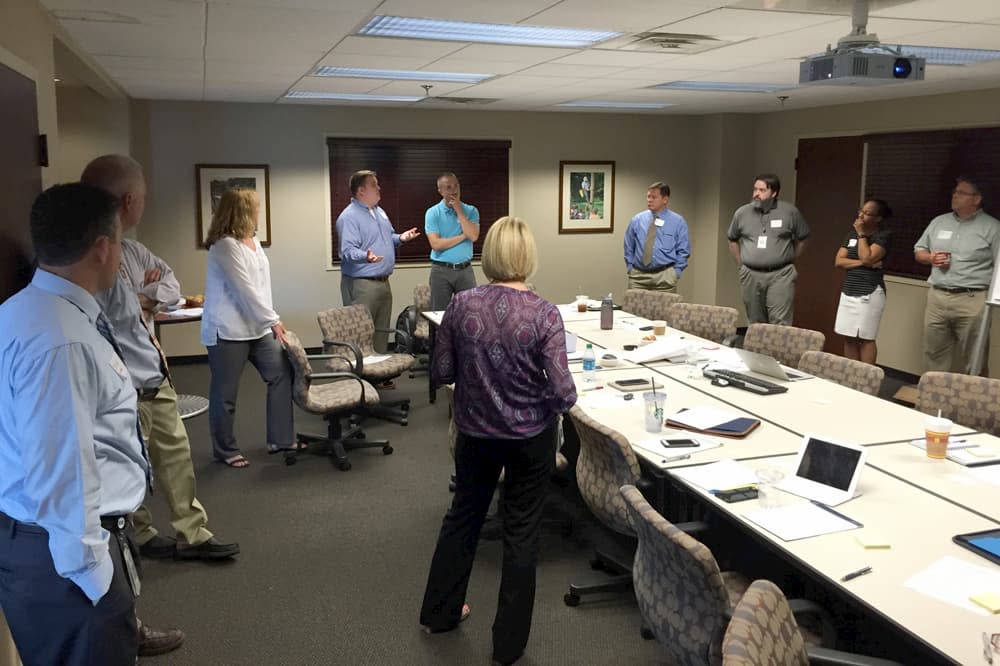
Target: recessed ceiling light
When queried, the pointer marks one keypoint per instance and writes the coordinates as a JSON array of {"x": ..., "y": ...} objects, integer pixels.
[
  {"x": 56, "y": 79},
  {"x": 402, "y": 74},
  {"x": 489, "y": 33},
  {"x": 724, "y": 86},
  {"x": 351, "y": 97},
  {"x": 598, "y": 104},
  {"x": 939, "y": 55}
]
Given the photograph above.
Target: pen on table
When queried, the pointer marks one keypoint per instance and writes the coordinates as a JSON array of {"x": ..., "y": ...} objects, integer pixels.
[
  {"x": 837, "y": 513},
  {"x": 854, "y": 574},
  {"x": 592, "y": 388},
  {"x": 676, "y": 458}
]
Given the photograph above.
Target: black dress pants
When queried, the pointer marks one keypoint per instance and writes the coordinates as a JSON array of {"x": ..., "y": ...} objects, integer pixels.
[
  {"x": 528, "y": 464},
  {"x": 51, "y": 619}
]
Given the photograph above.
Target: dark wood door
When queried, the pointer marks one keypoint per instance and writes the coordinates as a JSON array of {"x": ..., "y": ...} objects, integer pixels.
[
  {"x": 828, "y": 192},
  {"x": 20, "y": 175}
]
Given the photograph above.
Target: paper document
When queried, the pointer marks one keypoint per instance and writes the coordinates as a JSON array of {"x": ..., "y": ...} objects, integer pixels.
[
  {"x": 953, "y": 581},
  {"x": 603, "y": 399},
  {"x": 657, "y": 451},
  {"x": 957, "y": 443},
  {"x": 665, "y": 348},
  {"x": 634, "y": 323},
  {"x": 974, "y": 456},
  {"x": 703, "y": 418},
  {"x": 185, "y": 312},
  {"x": 798, "y": 521},
  {"x": 719, "y": 475},
  {"x": 375, "y": 358}
]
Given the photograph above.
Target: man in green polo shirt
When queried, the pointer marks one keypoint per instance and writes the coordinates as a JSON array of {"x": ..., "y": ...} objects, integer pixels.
[{"x": 960, "y": 247}]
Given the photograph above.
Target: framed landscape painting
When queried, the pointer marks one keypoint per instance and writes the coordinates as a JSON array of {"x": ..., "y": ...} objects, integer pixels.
[
  {"x": 586, "y": 197},
  {"x": 211, "y": 180}
]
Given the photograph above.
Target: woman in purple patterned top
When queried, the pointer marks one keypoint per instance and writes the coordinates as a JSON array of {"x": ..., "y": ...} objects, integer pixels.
[{"x": 504, "y": 347}]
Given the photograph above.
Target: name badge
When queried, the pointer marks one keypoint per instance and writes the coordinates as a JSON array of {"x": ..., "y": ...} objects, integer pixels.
[
  {"x": 761, "y": 242},
  {"x": 658, "y": 222},
  {"x": 944, "y": 234},
  {"x": 118, "y": 366},
  {"x": 852, "y": 242},
  {"x": 776, "y": 224}
]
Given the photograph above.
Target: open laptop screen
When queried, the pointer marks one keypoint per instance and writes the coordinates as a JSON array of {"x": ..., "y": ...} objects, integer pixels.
[{"x": 829, "y": 464}]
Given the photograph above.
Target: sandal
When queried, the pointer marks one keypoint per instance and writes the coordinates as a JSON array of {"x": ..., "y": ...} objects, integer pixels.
[
  {"x": 466, "y": 611},
  {"x": 236, "y": 462}
]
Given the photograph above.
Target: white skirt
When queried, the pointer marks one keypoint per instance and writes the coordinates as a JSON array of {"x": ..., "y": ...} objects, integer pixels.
[{"x": 859, "y": 316}]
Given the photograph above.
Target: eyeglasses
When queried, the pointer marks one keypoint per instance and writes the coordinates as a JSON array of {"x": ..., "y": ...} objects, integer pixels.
[
  {"x": 964, "y": 194},
  {"x": 991, "y": 642}
]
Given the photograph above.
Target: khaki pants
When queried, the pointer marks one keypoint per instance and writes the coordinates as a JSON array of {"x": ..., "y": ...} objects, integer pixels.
[
  {"x": 665, "y": 280},
  {"x": 376, "y": 295},
  {"x": 769, "y": 298},
  {"x": 951, "y": 322},
  {"x": 173, "y": 472}
]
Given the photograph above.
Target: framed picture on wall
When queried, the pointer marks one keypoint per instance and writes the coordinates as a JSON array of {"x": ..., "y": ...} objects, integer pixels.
[
  {"x": 211, "y": 180},
  {"x": 586, "y": 197}
]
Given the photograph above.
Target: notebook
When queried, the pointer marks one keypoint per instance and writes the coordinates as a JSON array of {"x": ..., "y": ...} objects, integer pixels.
[{"x": 825, "y": 471}]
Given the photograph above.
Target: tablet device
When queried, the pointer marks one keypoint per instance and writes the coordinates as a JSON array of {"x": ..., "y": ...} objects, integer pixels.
[
  {"x": 637, "y": 384},
  {"x": 985, "y": 543},
  {"x": 826, "y": 471}
]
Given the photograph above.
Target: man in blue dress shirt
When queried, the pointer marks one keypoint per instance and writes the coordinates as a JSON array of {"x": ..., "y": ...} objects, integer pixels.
[
  {"x": 452, "y": 226},
  {"x": 368, "y": 252},
  {"x": 657, "y": 246},
  {"x": 72, "y": 466}
]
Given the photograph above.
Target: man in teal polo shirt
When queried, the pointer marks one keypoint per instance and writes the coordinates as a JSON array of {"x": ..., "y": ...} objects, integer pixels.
[{"x": 451, "y": 227}]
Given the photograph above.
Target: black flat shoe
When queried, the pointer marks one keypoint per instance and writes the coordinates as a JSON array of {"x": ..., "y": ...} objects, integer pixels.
[
  {"x": 159, "y": 547},
  {"x": 207, "y": 550}
]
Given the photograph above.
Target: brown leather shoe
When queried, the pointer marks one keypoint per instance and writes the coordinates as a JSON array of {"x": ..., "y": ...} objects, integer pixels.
[{"x": 154, "y": 641}]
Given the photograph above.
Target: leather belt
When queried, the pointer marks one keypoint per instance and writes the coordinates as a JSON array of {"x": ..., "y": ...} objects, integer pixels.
[
  {"x": 379, "y": 278},
  {"x": 454, "y": 267},
  {"x": 145, "y": 395},
  {"x": 655, "y": 269},
  {"x": 767, "y": 270},
  {"x": 110, "y": 523},
  {"x": 960, "y": 290}
]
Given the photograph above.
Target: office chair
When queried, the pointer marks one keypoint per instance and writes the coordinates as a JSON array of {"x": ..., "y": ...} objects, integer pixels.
[
  {"x": 859, "y": 376},
  {"x": 341, "y": 397},
  {"x": 606, "y": 463},
  {"x": 971, "y": 401},
  {"x": 348, "y": 333},
  {"x": 649, "y": 304},
  {"x": 763, "y": 632},
  {"x": 420, "y": 329},
  {"x": 684, "y": 599},
  {"x": 712, "y": 322},
  {"x": 785, "y": 343}
]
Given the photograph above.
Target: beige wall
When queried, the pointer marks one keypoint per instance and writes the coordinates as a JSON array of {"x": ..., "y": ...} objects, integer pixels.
[{"x": 90, "y": 124}]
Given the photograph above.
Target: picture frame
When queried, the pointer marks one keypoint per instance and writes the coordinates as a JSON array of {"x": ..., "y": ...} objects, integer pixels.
[
  {"x": 587, "y": 197},
  {"x": 211, "y": 180}
]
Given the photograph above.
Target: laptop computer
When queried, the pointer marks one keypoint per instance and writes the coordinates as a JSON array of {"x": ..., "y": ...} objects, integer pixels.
[
  {"x": 763, "y": 364},
  {"x": 826, "y": 471}
]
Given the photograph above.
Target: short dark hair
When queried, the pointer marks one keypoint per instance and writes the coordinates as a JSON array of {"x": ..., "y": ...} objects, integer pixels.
[
  {"x": 772, "y": 181},
  {"x": 359, "y": 178},
  {"x": 66, "y": 221},
  {"x": 661, "y": 186},
  {"x": 971, "y": 182},
  {"x": 884, "y": 211}
]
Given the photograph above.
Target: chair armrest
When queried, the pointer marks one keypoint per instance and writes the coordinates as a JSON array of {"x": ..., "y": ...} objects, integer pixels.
[
  {"x": 806, "y": 607},
  {"x": 399, "y": 333},
  {"x": 353, "y": 347},
  {"x": 321, "y": 357},
  {"x": 730, "y": 339},
  {"x": 826, "y": 656}
]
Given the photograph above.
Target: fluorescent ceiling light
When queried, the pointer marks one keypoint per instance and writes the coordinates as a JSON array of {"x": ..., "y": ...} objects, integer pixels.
[
  {"x": 598, "y": 104},
  {"x": 489, "y": 33},
  {"x": 724, "y": 86},
  {"x": 939, "y": 55},
  {"x": 352, "y": 97},
  {"x": 402, "y": 74}
]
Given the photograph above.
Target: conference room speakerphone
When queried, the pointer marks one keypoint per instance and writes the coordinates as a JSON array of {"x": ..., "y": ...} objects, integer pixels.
[{"x": 745, "y": 382}]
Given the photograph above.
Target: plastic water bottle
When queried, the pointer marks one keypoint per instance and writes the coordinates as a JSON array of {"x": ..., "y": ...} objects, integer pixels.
[
  {"x": 607, "y": 313},
  {"x": 589, "y": 363}
]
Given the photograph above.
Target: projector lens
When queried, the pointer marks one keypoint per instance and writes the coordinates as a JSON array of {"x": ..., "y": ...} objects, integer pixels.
[{"x": 901, "y": 69}]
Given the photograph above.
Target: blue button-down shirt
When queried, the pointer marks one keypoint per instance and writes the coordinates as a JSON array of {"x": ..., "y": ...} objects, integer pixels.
[
  {"x": 69, "y": 447},
  {"x": 672, "y": 245},
  {"x": 442, "y": 220},
  {"x": 361, "y": 229}
]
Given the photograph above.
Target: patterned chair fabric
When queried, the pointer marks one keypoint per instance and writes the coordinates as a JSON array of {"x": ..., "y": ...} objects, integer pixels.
[
  {"x": 421, "y": 302},
  {"x": 606, "y": 463},
  {"x": 785, "y": 343},
  {"x": 971, "y": 401},
  {"x": 844, "y": 371},
  {"x": 353, "y": 323},
  {"x": 712, "y": 322},
  {"x": 763, "y": 630},
  {"x": 649, "y": 304},
  {"x": 344, "y": 394},
  {"x": 682, "y": 594}
]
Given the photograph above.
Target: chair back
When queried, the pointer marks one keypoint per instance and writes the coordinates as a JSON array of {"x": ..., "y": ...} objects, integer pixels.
[
  {"x": 712, "y": 322},
  {"x": 971, "y": 401},
  {"x": 421, "y": 303},
  {"x": 606, "y": 463},
  {"x": 649, "y": 304},
  {"x": 763, "y": 630},
  {"x": 681, "y": 592},
  {"x": 785, "y": 343},
  {"x": 859, "y": 376},
  {"x": 301, "y": 369},
  {"x": 350, "y": 323}
]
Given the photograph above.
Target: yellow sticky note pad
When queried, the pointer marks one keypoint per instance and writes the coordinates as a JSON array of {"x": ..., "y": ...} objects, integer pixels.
[
  {"x": 871, "y": 541},
  {"x": 988, "y": 600}
]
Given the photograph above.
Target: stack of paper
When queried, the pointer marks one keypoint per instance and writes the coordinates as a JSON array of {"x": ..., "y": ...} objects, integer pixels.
[
  {"x": 703, "y": 418},
  {"x": 657, "y": 451},
  {"x": 799, "y": 521},
  {"x": 718, "y": 475},
  {"x": 665, "y": 348},
  {"x": 953, "y": 581}
]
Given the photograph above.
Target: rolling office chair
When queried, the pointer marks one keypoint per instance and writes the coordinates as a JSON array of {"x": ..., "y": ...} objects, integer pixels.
[
  {"x": 649, "y": 304},
  {"x": 785, "y": 343},
  {"x": 971, "y": 401},
  {"x": 763, "y": 632},
  {"x": 348, "y": 333},
  {"x": 712, "y": 322},
  {"x": 684, "y": 599},
  {"x": 338, "y": 399},
  {"x": 859, "y": 376},
  {"x": 420, "y": 329}
]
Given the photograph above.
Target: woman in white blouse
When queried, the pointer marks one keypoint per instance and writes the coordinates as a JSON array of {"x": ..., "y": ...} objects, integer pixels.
[{"x": 239, "y": 324}]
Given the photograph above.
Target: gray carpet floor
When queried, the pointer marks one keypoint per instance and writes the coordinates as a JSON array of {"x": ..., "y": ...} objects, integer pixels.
[{"x": 333, "y": 563}]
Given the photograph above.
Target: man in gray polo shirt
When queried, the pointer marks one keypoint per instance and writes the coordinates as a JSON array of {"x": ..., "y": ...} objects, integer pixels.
[
  {"x": 766, "y": 236},
  {"x": 960, "y": 248}
]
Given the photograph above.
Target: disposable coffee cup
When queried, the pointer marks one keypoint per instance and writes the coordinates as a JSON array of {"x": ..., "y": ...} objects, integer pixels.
[
  {"x": 937, "y": 429},
  {"x": 653, "y": 405},
  {"x": 581, "y": 303},
  {"x": 659, "y": 327}
]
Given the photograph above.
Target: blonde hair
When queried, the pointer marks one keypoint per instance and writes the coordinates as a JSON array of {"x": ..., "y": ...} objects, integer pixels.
[
  {"x": 509, "y": 251},
  {"x": 236, "y": 216}
]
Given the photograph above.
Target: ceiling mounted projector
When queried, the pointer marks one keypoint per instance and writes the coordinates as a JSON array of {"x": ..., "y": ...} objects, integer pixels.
[{"x": 860, "y": 59}]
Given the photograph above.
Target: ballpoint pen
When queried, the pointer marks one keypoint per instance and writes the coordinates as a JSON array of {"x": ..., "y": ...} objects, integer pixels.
[
  {"x": 592, "y": 388},
  {"x": 837, "y": 513},
  {"x": 676, "y": 458},
  {"x": 854, "y": 574}
]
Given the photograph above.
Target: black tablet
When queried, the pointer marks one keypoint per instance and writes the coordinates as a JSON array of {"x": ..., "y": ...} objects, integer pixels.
[{"x": 985, "y": 543}]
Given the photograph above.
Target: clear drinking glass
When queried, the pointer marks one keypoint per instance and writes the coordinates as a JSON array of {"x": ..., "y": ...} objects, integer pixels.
[{"x": 767, "y": 494}]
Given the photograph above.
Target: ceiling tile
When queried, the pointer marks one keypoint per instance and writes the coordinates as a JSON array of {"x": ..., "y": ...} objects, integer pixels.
[
  {"x": 642, "y": 15},
  {"x": 971, "y": 11},
  {"x": 517, "y": 84},
  {"x": 144, "y": 28},
  {"x": 370, "y": 61},
  {"x": 420, "y": 49},
  {"x": 508, "y": 11},
  {"x": 728, "y": 23},
  {"x": 611, "y": 58},
  {"x": 337, "y": 84},
  {"x": 562, "y": 70},
  {"x": 438, "y": 88},
  {"x": 503, "y": 53}
]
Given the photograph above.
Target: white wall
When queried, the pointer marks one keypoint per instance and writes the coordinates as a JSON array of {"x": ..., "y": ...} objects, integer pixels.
[{"x": 89, "y": 125}]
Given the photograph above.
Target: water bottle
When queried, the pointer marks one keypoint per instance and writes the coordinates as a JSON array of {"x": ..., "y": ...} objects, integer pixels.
[
  {"x": 607, "y": 313},
  {"x": 589, "y": 363}
]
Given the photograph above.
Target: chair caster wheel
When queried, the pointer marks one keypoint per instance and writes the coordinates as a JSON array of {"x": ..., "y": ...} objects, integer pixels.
[
  {"x": 405, "y": 407},
  {"x": 404, "y": 422},
  {"x": 343, "y": 465},
  {"x": 571, "y": 600},
  {"x": 290, "y": 460},
  {"x": 386, "y": 450},
  {"x": 646, "y": 634},
  {"x": 597, "y": 565},
  {"x": 359, "y": 435}
]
